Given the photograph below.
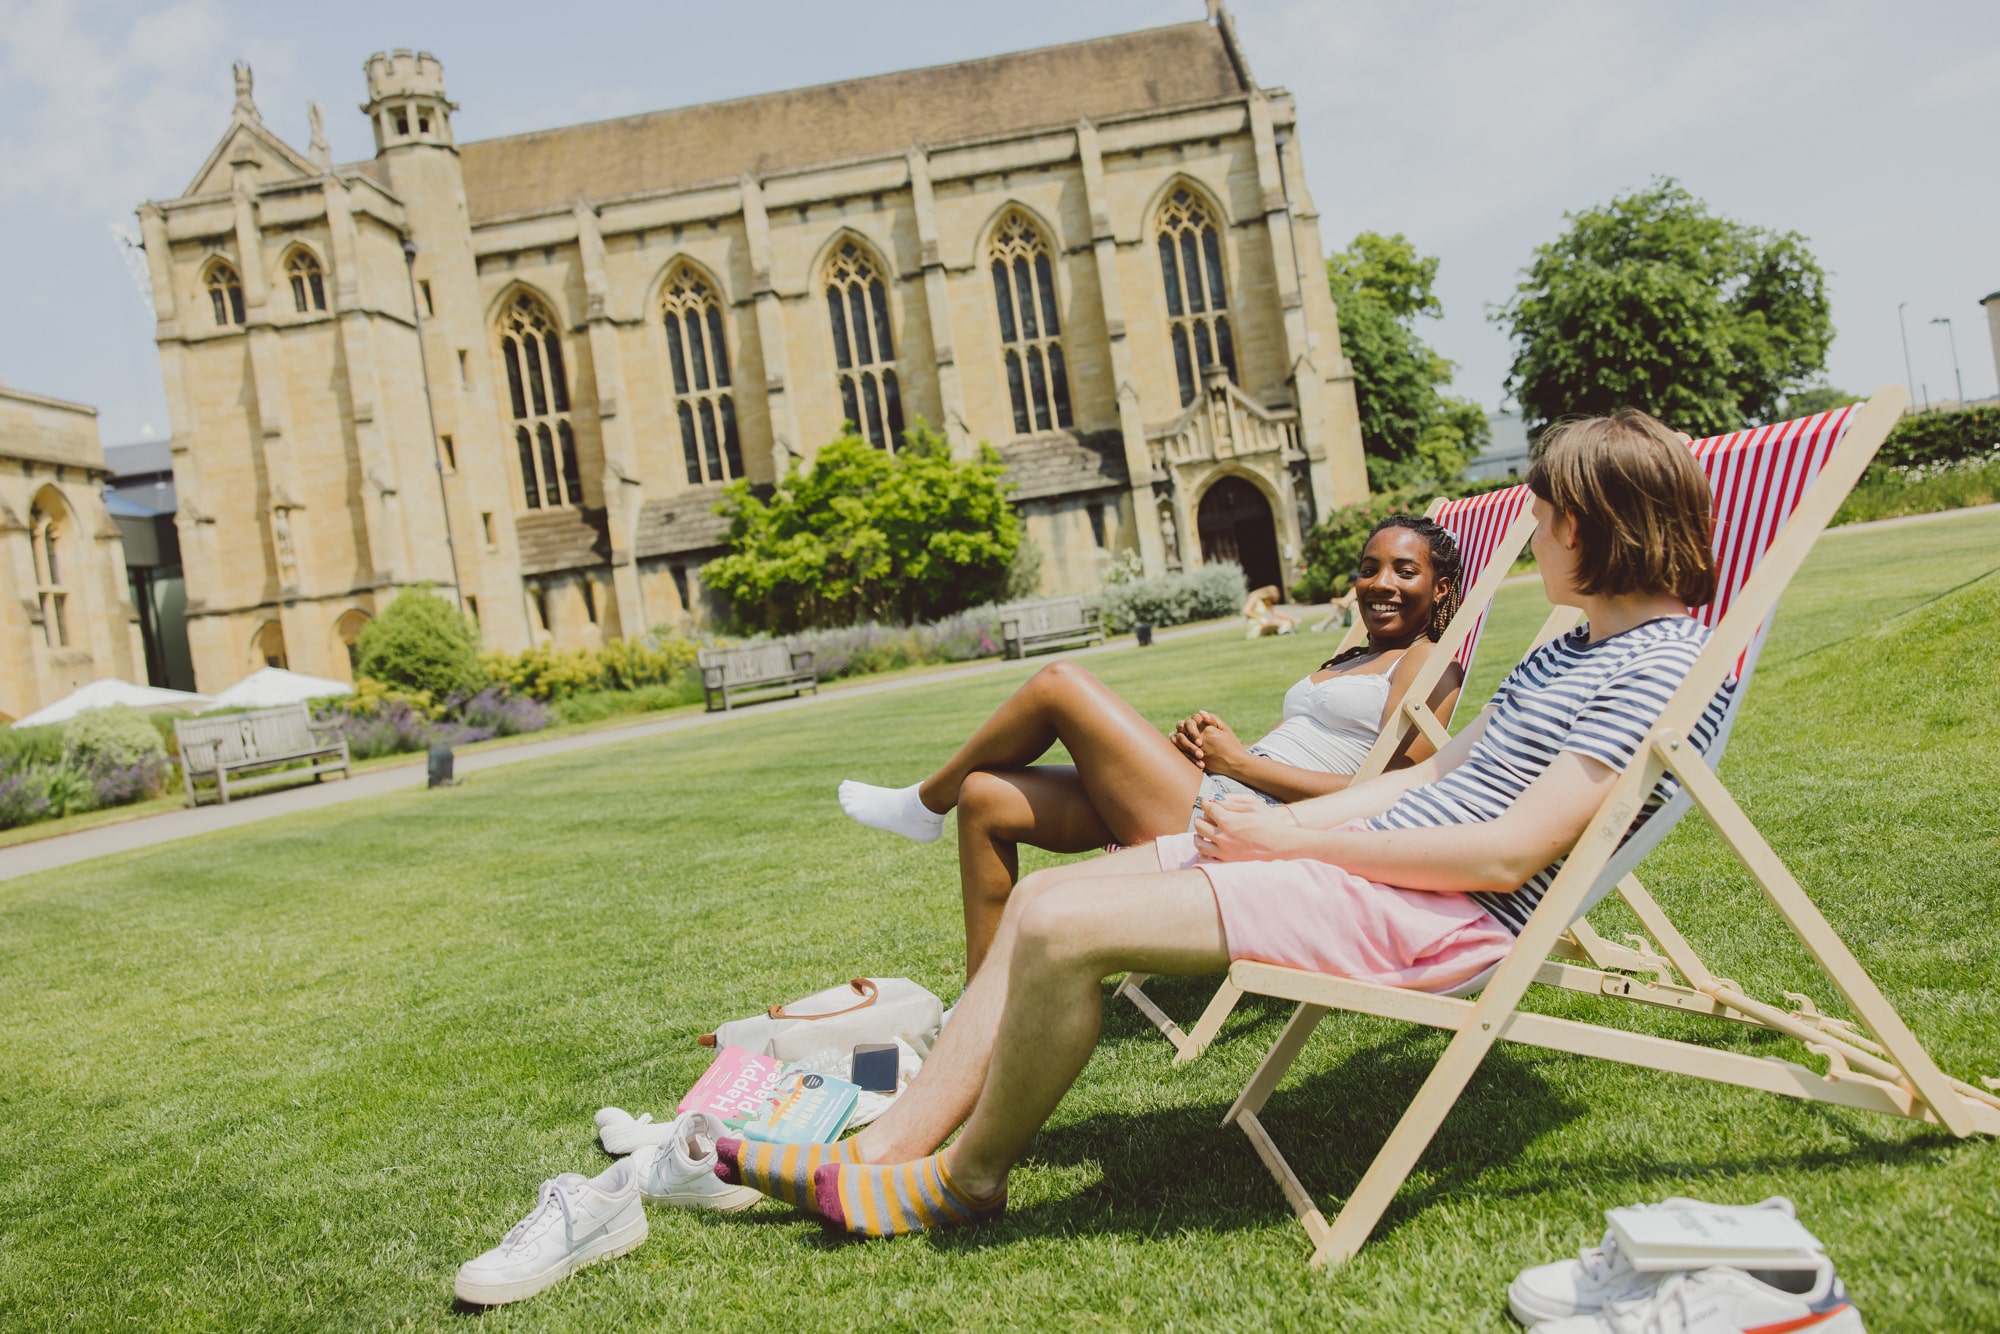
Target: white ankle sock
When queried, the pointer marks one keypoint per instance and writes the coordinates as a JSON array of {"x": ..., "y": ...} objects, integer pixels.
[{"x": 899, "y": 810}]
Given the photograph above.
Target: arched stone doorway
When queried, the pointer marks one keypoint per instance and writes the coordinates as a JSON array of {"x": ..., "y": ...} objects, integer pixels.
[
  {"x": 1235, "y": 523},
  {"x": 267, "y": 648}
]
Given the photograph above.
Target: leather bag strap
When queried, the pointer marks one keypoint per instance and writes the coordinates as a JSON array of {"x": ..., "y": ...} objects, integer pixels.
[{"x": 862, "y": 988}]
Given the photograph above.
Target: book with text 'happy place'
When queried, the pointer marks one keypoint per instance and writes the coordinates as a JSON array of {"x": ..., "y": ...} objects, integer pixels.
[
  {"x": 805, "y": 1108},
  {"x": 735, "y": 1085},
  {"x": 1657, "y": 1240}
]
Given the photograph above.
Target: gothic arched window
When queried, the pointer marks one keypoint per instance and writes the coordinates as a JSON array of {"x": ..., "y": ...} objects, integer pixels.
[
  {"x": 1197, "y": 296},
  {"x": 1024, "y": 290},
  {"x": 698, "y": 357},
  {"x": 538, "y": 389},
  {"x": 857, "y": 302},
  {"x": 45, "y": 534},
  {"x": 308, "y": 282},
  {"x": 225, "y": 293}
]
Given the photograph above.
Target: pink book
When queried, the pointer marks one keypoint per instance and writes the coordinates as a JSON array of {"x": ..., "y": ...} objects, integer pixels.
[{"x": 735, "y": 1085}]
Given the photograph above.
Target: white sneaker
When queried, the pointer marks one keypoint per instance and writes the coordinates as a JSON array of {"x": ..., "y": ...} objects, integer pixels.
[
  {"x": 1727, "y": 1301},
  {"x": 577, "y": 1222},
  {"x": 620, "y": 1132},
  {"x": 1600, "y": 1275},
  {"x": 681, "y": 1173}
]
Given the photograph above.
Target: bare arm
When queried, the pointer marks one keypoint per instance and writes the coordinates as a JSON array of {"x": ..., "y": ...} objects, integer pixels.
[
  {"x": 1223, "y": 752},
  {"x": 1497, "y": 856}
]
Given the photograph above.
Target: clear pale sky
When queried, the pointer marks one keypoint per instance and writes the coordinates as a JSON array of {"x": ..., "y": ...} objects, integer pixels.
[{"x": 1472, "y": 128}]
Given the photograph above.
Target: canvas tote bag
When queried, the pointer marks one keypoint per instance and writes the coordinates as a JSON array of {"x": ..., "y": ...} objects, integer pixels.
[{"x": 866, "y": 1009}]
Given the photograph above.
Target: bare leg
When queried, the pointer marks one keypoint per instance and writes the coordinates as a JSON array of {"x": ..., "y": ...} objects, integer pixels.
[
  {"x": 1046, "y": 806},
  {"x": 1063, "y": 947},
  {"x": 1140, "y": 786},
  {"x": 938, "y": 1099}
]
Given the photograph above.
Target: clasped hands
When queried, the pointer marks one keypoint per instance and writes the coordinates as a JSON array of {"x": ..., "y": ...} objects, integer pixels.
[{"x": 1209, "y": 744}]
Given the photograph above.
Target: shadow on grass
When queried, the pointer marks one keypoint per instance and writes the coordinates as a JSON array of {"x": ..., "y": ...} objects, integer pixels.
[{"x": 1177, "y": 1170}]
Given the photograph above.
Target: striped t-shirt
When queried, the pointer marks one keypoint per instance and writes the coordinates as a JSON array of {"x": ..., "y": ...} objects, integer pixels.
[{"x": 1598, "y": 699}]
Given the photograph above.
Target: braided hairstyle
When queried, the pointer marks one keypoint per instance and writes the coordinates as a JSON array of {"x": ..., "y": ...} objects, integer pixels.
[{"x": 1446, "y": 566}]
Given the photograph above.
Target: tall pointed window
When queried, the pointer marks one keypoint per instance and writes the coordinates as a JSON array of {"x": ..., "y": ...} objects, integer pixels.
[
  {"x": 698, "y": 357},
  {"x": 1024, "y": 289},
  {"x": 1197, "y": 296},
  {"x": 857, "y": 302},
  {"x": 225, "y": 293},
  {"x": 308, "y": 282},
  {"x": 45, "y": 538},
  {"x": 538, "y": 389}
]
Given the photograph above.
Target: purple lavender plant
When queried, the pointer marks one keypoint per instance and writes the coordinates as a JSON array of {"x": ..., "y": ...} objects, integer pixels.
[
  {"x": 501, "y": 714},
  {"x": 23, "y": 799}
]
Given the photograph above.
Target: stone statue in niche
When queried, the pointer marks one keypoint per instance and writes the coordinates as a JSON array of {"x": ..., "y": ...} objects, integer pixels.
[
  {"x": 287, "y": 550},
  {"x": 1170, "y": 538}
]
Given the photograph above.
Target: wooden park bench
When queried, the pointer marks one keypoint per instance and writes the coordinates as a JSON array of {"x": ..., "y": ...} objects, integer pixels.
[
  {"x": 762, "y": 670},
  {"x": 1055, "y": 624},
  {"x": 227, "y": 746}
]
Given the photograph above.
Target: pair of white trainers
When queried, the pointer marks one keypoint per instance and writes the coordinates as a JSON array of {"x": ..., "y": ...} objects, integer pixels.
[
  {"x": 580, "y": 1220},
  {"x": 1601, "y": 1293}
]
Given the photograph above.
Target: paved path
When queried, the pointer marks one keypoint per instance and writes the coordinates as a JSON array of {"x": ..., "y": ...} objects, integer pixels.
[{"x": 68, "y": 849}]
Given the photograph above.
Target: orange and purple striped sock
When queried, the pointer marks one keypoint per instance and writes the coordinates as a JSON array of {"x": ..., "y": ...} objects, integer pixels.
[
  {"x": 897, "y": 1198},
  {"x": 782, "y": 1171}
]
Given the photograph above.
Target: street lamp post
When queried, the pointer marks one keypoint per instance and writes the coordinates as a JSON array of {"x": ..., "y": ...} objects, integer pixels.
[
  {"x": 437, "y": 451},
  {"x": 1909, "y": 379},
  {"x": 1952, "y": 334}
]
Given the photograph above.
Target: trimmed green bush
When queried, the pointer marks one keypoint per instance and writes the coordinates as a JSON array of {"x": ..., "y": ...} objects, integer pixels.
[
  {"x": 113, "y": 738},
  {"x": 21, "y": 747},
  {"x": 1200, "y": 594},
  {"x": 420, "y": 642},
  {"x": 1940, "y": 437}
]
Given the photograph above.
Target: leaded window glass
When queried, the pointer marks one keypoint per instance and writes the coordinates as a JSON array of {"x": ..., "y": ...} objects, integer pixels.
[
  {"x": 45, "y": 533},
  {"x": 225, "y": 293},
  {"x": 538, "y": 391},
  {"x": 307, "y": 280},
  {"x": 1024, "y": 291},
  {"x": 698, "y": 360},
  {"x": 864, "y": 353},
  {"x": 1197, "y": 294}
]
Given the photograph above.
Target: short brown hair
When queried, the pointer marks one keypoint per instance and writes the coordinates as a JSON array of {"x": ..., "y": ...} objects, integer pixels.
[{"x": 1640, "y": 503}]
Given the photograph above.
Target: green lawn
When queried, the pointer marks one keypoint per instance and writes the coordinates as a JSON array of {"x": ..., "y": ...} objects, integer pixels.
[{"x": 290, "y": 1076}]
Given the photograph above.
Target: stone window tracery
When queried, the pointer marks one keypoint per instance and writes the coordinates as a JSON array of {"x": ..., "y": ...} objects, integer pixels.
[
  {"x": 864, "y": 353},
  {"x": 698, "y": 358},
  {"x": 225, "y": 293},
  {"x": 307, "y": 280},
  {"x": 45, "y": 535},
  {"x": 1024, "y": 291},
  {"x": 1197, "y": 293},
  {"x": 538, "y": 391}
]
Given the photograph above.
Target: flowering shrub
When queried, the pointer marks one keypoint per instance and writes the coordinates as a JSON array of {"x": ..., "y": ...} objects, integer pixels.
[
  {"x": 503, "y": 714},
  {"x": 1200, "y": 594},
  {"x": 548, "y": 674},
  {"x": 23, "y": 799}
]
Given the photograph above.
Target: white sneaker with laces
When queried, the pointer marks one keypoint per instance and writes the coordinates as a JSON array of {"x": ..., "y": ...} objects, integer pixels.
[
  {"x": 620, "y": 1132},
  {"x": 681, "y": 1173},
  {"x": 1727, "y": 1301},
  {"x": 1600, "y": 1275},
  {"x": 577, "y": 1222}
]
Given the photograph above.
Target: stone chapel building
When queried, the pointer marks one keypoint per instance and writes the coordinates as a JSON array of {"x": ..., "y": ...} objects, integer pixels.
[{"x": 526, "y": 366}]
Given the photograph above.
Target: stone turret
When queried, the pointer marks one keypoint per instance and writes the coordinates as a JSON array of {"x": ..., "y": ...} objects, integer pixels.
[{"x": 406, "y": 99}]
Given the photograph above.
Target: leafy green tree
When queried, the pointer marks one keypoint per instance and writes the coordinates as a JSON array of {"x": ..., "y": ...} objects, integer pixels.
[
  {"x": 1414, "y": 435},
  {"x": 422, "y": 642},
  {"x": 1818, "y": 398},
  {"x": 866, "y": 534},
  {"x": 1653, "y": 302}
]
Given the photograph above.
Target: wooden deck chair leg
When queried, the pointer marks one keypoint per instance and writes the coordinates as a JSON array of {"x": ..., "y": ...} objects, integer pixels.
[
  {"x": 1818, "y": 935},
  {"x": 1130, "y": 990},
  {"x": 1210, "y": 1023},
  {"x": 1276, "y": 1062}
]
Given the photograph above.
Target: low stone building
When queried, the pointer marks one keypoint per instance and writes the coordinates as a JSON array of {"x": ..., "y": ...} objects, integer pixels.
[
  {"x": 527, "y": 366},
  {"x": 65, "y": 617}
]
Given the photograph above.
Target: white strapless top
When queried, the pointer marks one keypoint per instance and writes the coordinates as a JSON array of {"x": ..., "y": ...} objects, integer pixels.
[{"x": 1329, "y": 725}]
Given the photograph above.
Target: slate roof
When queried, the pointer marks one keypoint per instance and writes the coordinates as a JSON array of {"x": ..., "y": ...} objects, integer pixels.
[
  {"x": 1044, "y": 466},
  {"x": 685, "y": 522},
  {"x": 562, "y": 539},
  {"x": 1054, "y": 86}
]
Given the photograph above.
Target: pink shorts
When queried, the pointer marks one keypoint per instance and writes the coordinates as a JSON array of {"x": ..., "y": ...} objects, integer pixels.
[{"x": 1315, "y": 916}]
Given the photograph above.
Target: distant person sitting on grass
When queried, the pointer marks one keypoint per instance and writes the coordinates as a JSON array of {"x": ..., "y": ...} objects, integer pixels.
[
  {"x": 1126, "y": 783},
  {"x": 1259, "y": 610},
  {"x": 1419, "y": 878}
]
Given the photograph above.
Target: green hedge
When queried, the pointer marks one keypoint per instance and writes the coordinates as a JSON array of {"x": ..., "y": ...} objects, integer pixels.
[{"x": 1941, "y": 437}]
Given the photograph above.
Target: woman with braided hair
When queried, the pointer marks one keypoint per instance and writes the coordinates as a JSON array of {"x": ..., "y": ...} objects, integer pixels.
[{"x": 1128, "y": 784}]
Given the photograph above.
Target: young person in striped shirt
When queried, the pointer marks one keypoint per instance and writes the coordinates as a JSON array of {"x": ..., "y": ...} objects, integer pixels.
[{"x": 1419, "y": 878}]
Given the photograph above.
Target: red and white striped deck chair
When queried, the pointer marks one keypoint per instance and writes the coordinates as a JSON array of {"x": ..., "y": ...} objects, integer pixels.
[
  {"x": 1491, "y": 531},
  {"x": 1775, "y": 489}
]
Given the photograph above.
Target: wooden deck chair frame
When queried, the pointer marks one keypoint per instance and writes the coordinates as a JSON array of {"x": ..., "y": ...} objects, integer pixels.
[
  {"x": 1874, "y": 1061},
  {"x": 1414, "y": 714}
]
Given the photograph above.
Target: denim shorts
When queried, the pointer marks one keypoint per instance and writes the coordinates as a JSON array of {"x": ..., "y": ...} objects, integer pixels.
[{"x": 1215, "y": 785}]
